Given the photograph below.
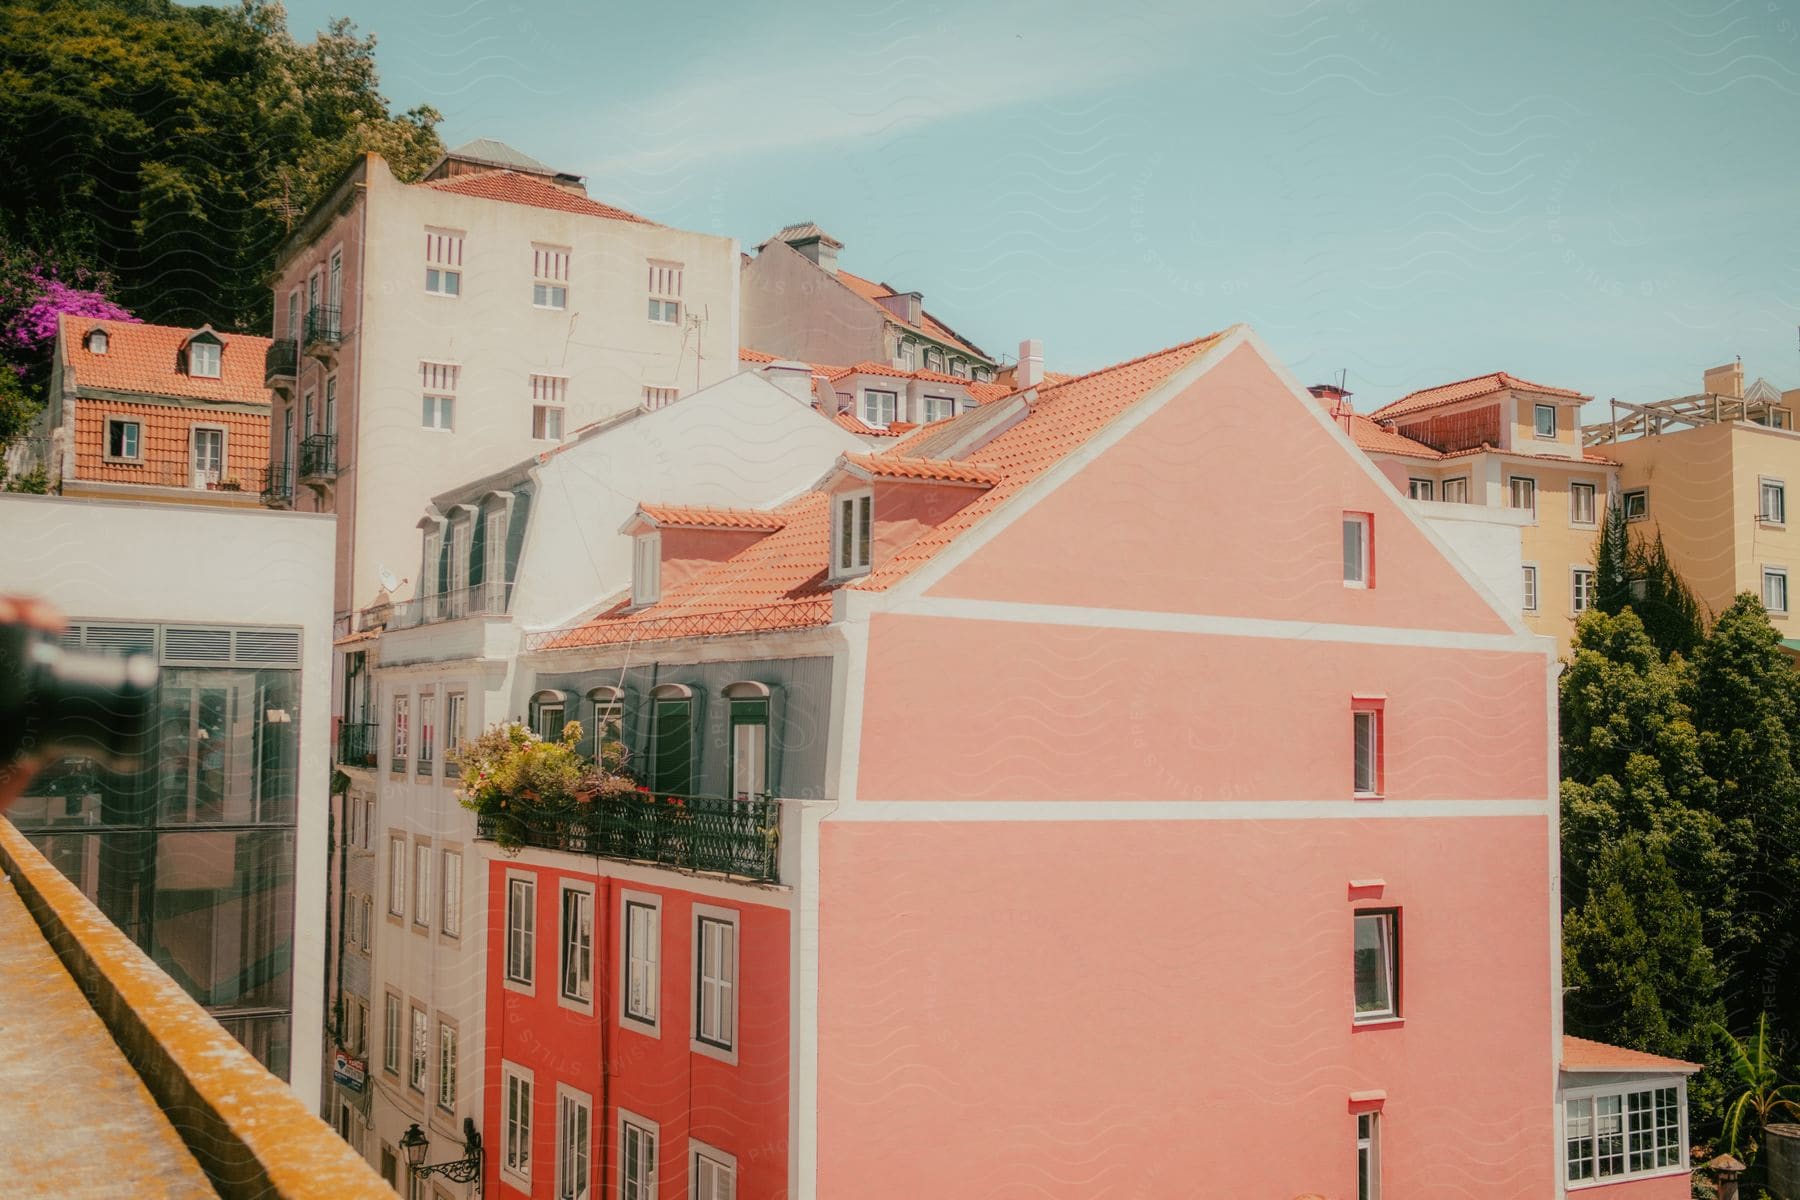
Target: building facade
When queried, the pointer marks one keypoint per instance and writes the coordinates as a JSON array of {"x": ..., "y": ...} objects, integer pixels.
[{"x": 211, "y": 855}]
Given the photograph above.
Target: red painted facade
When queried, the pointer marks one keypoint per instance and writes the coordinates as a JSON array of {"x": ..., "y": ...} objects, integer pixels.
[{"x": 740, "y": 1108}]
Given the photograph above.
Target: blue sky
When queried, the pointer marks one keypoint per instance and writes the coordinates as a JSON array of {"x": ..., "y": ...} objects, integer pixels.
[{"x": 1598, "y": 196}]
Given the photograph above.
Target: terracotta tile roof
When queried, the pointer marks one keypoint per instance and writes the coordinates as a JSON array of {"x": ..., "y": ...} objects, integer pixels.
[
  {"x": 145, "y": 358},
  {"x": 512, "y": 187},
  {"x": 935, "y": 470},
  {"x": 1375, "y": 438},
  {"x": 987, "y": 393},
  {"x": 746, "y": 354},
  {"x": 929, "y": 325},
  {"x": 1579, "y": 1054},
  {"x": 711, "y": 518},
  {"x": 855, "y": 424},
  {"x": 1597, "y": 459},
  {"x": 782, "y": 582},
  {"x": 165, "y": 438},
  {"x": 1468, "y": 389}
]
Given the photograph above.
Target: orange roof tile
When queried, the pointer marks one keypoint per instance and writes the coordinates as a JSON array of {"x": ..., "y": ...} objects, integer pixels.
[
  {"x": 145, "y": 359},
  {"x": 165, "y": 443},
  {"x": 929, "y": 325},
  {"x": 746, "y": 354},
  {"x": 1468, "y": 389},
  {"x": 1375, "y": 438},
  {"x": 1580, "y": 1054},
  {"x": 711, "y": 518},
  {"x": 1597, "y": 459},
  {"x": 512, "y": 187},
  {"x": 782, "y": 581},
  {"x": 855, "y": 424}
]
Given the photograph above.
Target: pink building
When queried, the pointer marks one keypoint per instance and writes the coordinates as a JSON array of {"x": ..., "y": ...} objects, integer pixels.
[{"x": 1136, "y": 820}]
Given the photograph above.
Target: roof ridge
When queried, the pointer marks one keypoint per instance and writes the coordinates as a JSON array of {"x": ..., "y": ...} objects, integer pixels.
[{"x": 1132, "y": 362}]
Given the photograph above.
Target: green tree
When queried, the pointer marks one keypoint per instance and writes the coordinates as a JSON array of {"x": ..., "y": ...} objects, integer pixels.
[
  {"x": 1635, "y": 572},
  {"x": 1760, "y": 1095}
]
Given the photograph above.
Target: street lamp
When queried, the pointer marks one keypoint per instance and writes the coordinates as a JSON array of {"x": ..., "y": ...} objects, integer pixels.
[{"x": 467, "y": 1169}]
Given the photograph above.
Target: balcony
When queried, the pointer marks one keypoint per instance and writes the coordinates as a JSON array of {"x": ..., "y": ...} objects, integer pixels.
[
  {"x": 482, "y": 600},
  {"x": 356, "y": 743},
  {"x": 121, "y": 1083},
  {"x": 278, "y": 486},
  {"x": 318, "y": 457},
  {"x": 282, "y": 363},
  {"x": 323, "y": 330},
  {"x": 740, "y": 838}
]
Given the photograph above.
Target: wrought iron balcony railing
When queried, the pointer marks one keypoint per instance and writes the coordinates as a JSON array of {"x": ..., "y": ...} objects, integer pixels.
[
  {"x": 356, "y": 743},
  {"x": 691, "y": 833},
  {"x": 482, "y": 600},
  {"x": 282, "y": 360},
  {"x": 318, "y": 456},
  {"x": 278, "y": 486},
  {"x": 322, "y": 326}
]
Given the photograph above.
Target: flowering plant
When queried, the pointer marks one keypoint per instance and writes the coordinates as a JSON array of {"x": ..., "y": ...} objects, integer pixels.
[{"x": 511, "y": 774}]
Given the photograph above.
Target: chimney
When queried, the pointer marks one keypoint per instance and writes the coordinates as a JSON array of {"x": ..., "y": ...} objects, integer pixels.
[
  {"x": 813, "y": 242},
  {"x": 908, "y": 306},
  {"x": 794, "y": 378},
  {"x": 1335, "y": 399},
  {"x": 1030, "y": 371},
  {"x": 1727, "y": 381}
]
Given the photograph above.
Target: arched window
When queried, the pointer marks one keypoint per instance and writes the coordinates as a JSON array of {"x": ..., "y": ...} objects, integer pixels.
[
  {"x": 96, "y": 341},
  {"x": 608, "y": 714},
  {"x": 549, "y": 714},
  {"x": 749, "y": 705},
  {"x": 671, "y": 757}
]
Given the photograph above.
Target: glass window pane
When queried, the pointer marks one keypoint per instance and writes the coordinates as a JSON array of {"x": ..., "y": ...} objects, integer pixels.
[
  {"x": 224, "y": 915},
  {"x": 1373, "y": 970}
]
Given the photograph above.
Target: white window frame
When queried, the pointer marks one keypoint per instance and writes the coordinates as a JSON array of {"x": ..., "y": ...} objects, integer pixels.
[
  {"x": 1387, "y": 920},
  {"x": 574, "y": 1146},
  {"x": 396, "y": 861},
  {"x": 632, "y": 962},
  {"x": 872, "y": 405},
  {"x": 937, "y": 408},
  {"x": 1512, "y": 494},
  {"x": 450, "y": 894},
  {"x": 1765, "y": 486},
  {"x": 424, "y": 899},
  {"x": 418, "y": 1047},
  {"x": 664, "y": 292},
  {"x": 1642, "y": 496},
  {"x": 215, "y": 354},
  {"x": 645, "y": 1186},
  {"x": 1581, "y": 598},
  {"x": 1587, "y": 1095},
  {"x": 393, "y": 1024},
  {"x": 849, "y": 560},
  {"x": 721, "y": 1044},
  {"x": 1368, "y": 1154},
  {"x": 1593, "y": 504},
  {"x": 549, "y": 276},
  {"x": 199, "y": 476},
  {"x": 1367, "y": 719},
  {"x": 1770, "y": 572},
  {"x": 515, "y": 1126},
  {"x": 400, "y": 742},
  {"x": 712, "y": 1171},
  {"x": 1458, "y": 483},
  {"x": 438, "y": 386},
  {"x": 1359, "y": 572},
  {"x": 546, "y": 423},
  {"x": 1420, "y": 489},
  {"x": 1528, "y": 587},
  {"x": 444, "y": 260},
  {"x": 1537, "y": 422},
  {"x": 748, "y": 751},
  {"x": 646, "y": 569},
  {"x": 519, "y": 940},
  {"x": 575, "y": 959},
  {"x": 449, "y": 1063}
]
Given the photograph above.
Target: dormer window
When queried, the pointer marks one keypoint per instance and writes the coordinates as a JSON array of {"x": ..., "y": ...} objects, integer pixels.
[
  {"x": 959, "y": 368},
  {"x": 983, "y": 375},
  {"x": 879, "y": 408},
  {"x": 646, "y": 569},
  {"x": 96, "y": 341},
  {"x": 203, "y": 359},
  {"x": 852, "y": 532},
  {"x": 934, "y": 359},
  {"x": 937, "y": 408}
]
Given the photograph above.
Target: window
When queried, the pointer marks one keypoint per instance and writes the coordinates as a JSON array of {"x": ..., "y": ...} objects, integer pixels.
[
  {"x": 437, "y": 382},
  {"x": 749, "y": 740},
  {"x": 443, "y": 262},
  {"x": 1771, "y": 505},
  {"x": 1418, "y": 489},
  {"x": 1543, "y": 421},
  {"x": 908, "y": 358},
  {"x": 203, "y": 359},
  {"x": 368, "y": 921},
  {"x": 642, "y": 920},
  {"x": 938, "y": 408},
  {"x": 1581, "y": 589},
  {"x": 96, "y": 341},
  {"x": 549, "y": 395},
  {"x": 646, "y": 569},
  {"x": 122, "y": 438},
  {"x": 1368, "y": 1156},
  {"x": 1366, "y": 760},
  {"x": 672, "y": 740},
  {"x": 934, "y": 359},
  {"x": 578, "y": 945},
  {"x": 1374, "y": 965},
  {"x": 959, "y": 368},
  {"x": 550, "y": 276},
  {"x": 422, "y": 884},
  {"x": 1617, "y": 1134},
  {"x": 427, "y": 733},
  {"x": 208, "y": 450},
  {"x": 493, "y": 571},
  {"x": 1456, "y": 491},
  {"x": 1775, "y": 596},
  {"x": 450, "y": 889},
  {"x": 1581, "y": 504},
  {"x": 715, "y": 1173},
  {"x": 983, "y": 375},
  {"x": 609, "y": 710},
  {"x": 396, "y": 875},
  {"x": 521, "y": 929},
  {"x": 878, "y": 408},
  {"x": 456, "y": 710},
  {"x": 1523, "y": 489},
  {"x": 1636, "y": 504},
  {"x": 665, "y": 292},
  {"x": 715, "y": 979},
  {"x": 637, "y": 1158},
  {"x": 515, "y": 1092},
  {"x": 1530, "y": 588},
  {"x": 446, "y": 1088},
  {"x": 420, "y": 1062},
  {"x": 660, "y": 397},
  {"x": 402, "y": 718},
  {"x": 1357, "y": 565},
  {"x": 390, "y": 1035},
  {"x": 547, "y": 716},
  {"x": 852, "y": 530},
  {"x": 574, "y": 1132}
]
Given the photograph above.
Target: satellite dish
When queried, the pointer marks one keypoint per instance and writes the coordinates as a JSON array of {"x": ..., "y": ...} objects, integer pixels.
[{"x": 387, "y": 579}]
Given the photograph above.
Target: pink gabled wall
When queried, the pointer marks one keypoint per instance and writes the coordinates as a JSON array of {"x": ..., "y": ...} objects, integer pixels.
[
  {"x": 1135, "y": 1009},
  {"x": 1228, "y": 501}
]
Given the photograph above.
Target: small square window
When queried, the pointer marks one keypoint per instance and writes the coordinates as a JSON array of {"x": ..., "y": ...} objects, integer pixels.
[
  {"x": 203, "y": 360},
  {"x": 1775, "y": 590},
  {"x": 937, "y": 408},
  {"x": 122, "y": 439},
  {"x": 1419, "y": 489},
  {"x": 1544, "y": 421},
  {"x": 440, "y": 282},
  {"x": 1456, "y": 491},
  {"x": 878, "y": 409},
  {"x": 438, "y": 412},
  {"x": 546, "y": 423},
  {"x": 1375, "y": 965},
  {"x": 549, "y": 295},
  {"x": 1523, "y": 490},
  {"x": 1636, "y": 504},
  {"x": 1358, "y": 551}
]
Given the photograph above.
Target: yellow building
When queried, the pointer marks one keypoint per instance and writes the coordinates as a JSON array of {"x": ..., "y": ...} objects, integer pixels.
[
  {"x": 1505, "y": 443},
  {"x": 1710, "y": 472}
]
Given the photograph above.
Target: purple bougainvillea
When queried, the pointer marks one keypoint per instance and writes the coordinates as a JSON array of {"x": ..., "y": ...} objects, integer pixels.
[{"x": 27, "y": 330}]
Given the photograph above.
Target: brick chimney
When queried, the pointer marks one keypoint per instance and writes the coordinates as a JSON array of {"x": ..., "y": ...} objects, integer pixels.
[
  {"x": 1334, "y": 398},
  {"x": 1030, "y": 371}
]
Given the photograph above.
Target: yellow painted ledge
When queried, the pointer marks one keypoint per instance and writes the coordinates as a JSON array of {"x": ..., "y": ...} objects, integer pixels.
[{"x": 247, "y": 1130}]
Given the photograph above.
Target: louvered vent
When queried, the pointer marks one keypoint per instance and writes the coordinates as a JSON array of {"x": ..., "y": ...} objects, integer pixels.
[
  {"x": 266, "y": 647},
  {"x": 205, "y": 646},
  {"x": 120, "y": 639}
]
